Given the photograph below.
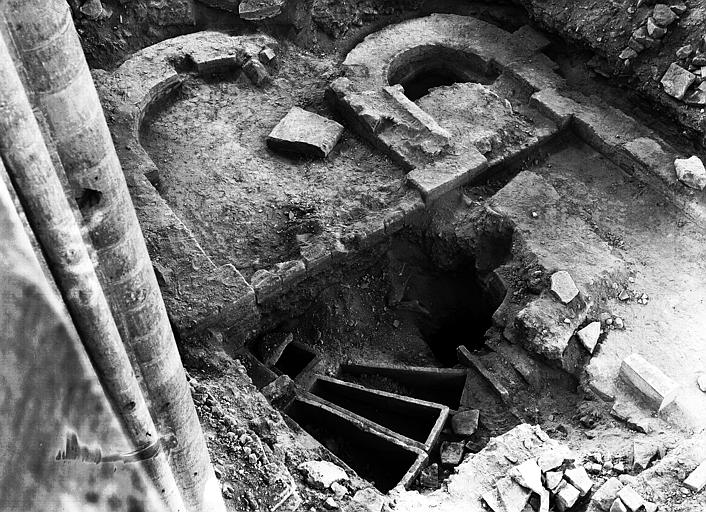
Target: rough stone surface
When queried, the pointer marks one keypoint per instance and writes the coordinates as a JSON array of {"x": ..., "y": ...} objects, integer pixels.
[
  {"x": 643, "y": 452},
  {"x": 677, "y": 80},
  {"x": 606, "y": 494},
  {"x": 589, "y": 335},
  {"x": 368, "y": 500},
  {"x": 553, "y": 459},
  {"x": 648, "y": 380},
  {"x": 321, "y": 473},
  {"x": 691, "y": 172},
  {"x": 513, "y": 496},
  {"x": 306, "y": 133},
  {"x": 563, "y": 286},
  {"x": 465, "y": 423}
]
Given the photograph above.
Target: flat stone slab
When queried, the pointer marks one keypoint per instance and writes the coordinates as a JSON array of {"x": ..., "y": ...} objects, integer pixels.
[
  {"x": 658, "y": 389},
  {"x": 305, "y": 133}
]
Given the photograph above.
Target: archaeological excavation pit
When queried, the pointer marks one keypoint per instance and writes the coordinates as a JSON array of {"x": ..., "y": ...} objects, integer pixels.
[{"x": 415, "y": 256}]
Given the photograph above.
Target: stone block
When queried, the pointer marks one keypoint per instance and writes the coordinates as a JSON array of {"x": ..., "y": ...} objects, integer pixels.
[
  {"x": 258, "y": 10},
  {"x": 633, "y": 501},
  {"x": 697, "y": 479},
  {"x": 677, "y": 80},
  {"x": 589, "y": 336},
  {"x": 554, "y": 106},
  {"x": 266, "y": 285},
  {"x": 305, "y": 133},
  {"x": 578, "y": 477},
  {"x": 451, "y": 454},
  {"x": 606, "y": 494},
  {"x": 566, "y": 496},
  {"x": 649, "y": 381},
  {"x": 691, "y": 172}
]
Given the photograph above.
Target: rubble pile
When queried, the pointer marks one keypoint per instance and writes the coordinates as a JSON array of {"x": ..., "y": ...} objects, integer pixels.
[{"x": 651, "y": 32}]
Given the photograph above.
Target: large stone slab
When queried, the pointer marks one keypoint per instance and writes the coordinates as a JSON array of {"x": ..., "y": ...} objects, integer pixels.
[
  {"x": 306, "y": 133},
  {"x": 653, "y": 385}
]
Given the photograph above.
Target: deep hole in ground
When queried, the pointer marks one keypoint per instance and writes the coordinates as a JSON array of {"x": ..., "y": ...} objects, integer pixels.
[{"x": 422, "y": 68}]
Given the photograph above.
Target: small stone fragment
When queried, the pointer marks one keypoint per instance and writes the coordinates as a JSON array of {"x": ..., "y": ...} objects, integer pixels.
[
  {"x": 451, "y": 453},
  {"x": 566, "y": 496},
  {"x": 563, "y": 286},
  {"x": 578, "y": 477},
  {"x": 691, "y": 172},
  {"x": 618, "y": 322},
  {"x": 465, "y": 423},
  {"x": 640, "y": 35},
  {"x": 697, "y": 479},
  {"x": 684, "y": 51},
  {"x": 654, "y": 30},
  {"x": 304, "y": 132},
  {"x": 330, "y": 504},
  {"x": 256, "y": 72},
  {"x": 633, "y": 501},
  {"x": 266, "y": 55},
  {"x": 94, "y": 10},
  {"x": 678, "y": 8},
  {"x": 338, "y": 489},
  {"x": 589, "y": 336},
  {"x": 618, "y": 506},
  {"x": 663, "y": 15},
  {"x": 627, "y": 54},
  {"x": 606, "y": 494},
  {"x": 321, "y": 474}
]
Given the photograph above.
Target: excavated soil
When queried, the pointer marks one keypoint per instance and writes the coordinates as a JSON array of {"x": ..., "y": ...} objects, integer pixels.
[{"x": 245, "y": 203}]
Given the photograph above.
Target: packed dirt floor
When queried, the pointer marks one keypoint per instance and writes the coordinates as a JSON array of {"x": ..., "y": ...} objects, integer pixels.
[{"x": 397, "y": 331}]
